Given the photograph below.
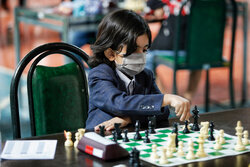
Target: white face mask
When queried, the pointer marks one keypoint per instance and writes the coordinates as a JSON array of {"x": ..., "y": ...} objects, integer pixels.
[{"x": 132, "y": 64}]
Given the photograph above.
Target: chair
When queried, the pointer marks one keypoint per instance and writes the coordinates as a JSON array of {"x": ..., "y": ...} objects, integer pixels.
[
  {"x": 204, "y": 43},
  {"x": 57, "y": 96}
]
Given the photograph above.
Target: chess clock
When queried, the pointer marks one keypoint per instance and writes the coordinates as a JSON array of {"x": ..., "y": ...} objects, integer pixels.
[{"x": 98, "y": 146}]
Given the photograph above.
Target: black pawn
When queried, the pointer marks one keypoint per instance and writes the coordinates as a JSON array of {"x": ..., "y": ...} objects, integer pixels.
[
  {"x": 151, "y": 127},
  {"x": 196, "y": 116},
  {"x": 137, "y": 131},
  {"x": 125, "y": 139},
  {"x": 114, "y": 136},
  {"x": 102, "y": 130},
  {"x": 211, "y": 128},
  {"x": 134, "y": 158},
  {"x": 146, "y": 140},
  {"x": 186, "y": 130},
  {"x": 137, "y": 162},
  {"x": 118, "y": 130}
]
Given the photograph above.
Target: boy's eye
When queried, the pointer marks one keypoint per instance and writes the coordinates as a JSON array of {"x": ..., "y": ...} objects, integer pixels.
[{"x": 145, "y": 50}]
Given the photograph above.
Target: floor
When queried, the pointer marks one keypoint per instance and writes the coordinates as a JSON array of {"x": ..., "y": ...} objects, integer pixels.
[{"x": 33, "y": 36}]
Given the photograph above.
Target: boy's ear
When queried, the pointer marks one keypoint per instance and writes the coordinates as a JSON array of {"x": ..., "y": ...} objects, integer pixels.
[{"x": 109, "y": 53}]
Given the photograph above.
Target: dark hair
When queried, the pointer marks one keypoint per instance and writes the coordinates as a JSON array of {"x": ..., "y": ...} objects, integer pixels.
[{"x": 119, "y": 28}]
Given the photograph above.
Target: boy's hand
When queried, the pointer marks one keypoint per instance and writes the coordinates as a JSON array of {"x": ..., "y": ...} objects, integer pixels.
[
  {"x": 109, "y": 125},
  {"x": 181, "y": 105}
]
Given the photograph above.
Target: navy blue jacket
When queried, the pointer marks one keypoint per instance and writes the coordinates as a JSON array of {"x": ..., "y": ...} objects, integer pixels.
[{"x": 108, "y": 97}]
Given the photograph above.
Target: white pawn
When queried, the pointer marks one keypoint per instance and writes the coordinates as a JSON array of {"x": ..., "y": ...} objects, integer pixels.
[
  {"x": 180, "y": 152},
  {"x": 245, "y": 139},
  {"x": 154, "y": 155},
  {"x": 201, "y": 153},
  {"x": 81, "y": 132},
  {"x": 68, "y": 141},
  {"x": 190, "y": 155},
  {"x": 217, "y": 144},
  {"x": 222, "y": 139},
  {"x": 169, "y": 152},
  {"x": 77, "y": 137},
  {"x": 163, "y": 159}
]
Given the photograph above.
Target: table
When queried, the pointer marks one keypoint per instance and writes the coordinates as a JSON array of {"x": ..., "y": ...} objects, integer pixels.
[
  {"x": 45, "y": 17},
  {"x": 73, "y": 158}
]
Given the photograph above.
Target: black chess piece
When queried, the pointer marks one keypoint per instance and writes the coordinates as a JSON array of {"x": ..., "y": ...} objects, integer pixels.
[
  {"x": 152, "y": 124},
  {"x": 175, "y": 130},
  {"x": 118, "y": 130},
  {"x": 114, "y": 136},
  {"x": 196, "y": 116},
  {"x": 125, "y": 139},
  {"x": 186, "y": 130},
  {"x": 137, "y": 162},
  {"x": 131, "y": 158},
  {"x": 211, "y": 128},
  {"x": 102, "y": 130},
  {"x": 146, "y": 140},
  {"x": 151, "y": 127},
  {"x": 137, "y": 131}
]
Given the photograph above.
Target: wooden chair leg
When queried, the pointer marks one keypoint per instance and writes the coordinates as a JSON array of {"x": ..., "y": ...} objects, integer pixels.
[{"x": 207, "y": 92}]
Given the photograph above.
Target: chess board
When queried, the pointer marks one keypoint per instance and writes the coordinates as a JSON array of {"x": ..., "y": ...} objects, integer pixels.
[{"x": 160, "y": 139}]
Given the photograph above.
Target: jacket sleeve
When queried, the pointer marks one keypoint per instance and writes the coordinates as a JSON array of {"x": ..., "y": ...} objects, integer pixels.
[{"x": 105, "y": 95}]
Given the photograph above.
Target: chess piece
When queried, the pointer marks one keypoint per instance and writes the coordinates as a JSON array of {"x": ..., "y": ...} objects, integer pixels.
[
  {"x": 102, "y": 130},
  {"x": 222, "y": 139},
  {"x": 146, "y": 140},
  {"x": 81, "y": 132},
  {"x": 201, "y": 153},
  {"x": 163, "y": 159},
  {"x": 190, "y": 155},
  {"x": 118, "y": 130},
  {"x": 175, "y": 130},
  {"x": 196, "y": 116},
  {"x": 134, "y": 158},
  {"x": 137, "y": 131},
  {"x": 217, "y": 145},
  {"x": 245, "y": 138},
  {"x": 125, "y": 139},
  {"x": 151, "y": 127},
  {"x": 204, "y": 129},
  {"x": 68, "y": 142},
  {"x": 186, "y": 129},
  {"x": 152, "y": 124},
  {"x": 114, "y": 136},
  {"x": 239, "y": 145},
  {"x": 171, "y": 145},
  {"x": 180, "y": 152},
  {"x": 77, "y": 137},
  {"x": 154, "y": 156},
  {"x": 211, "y": 127}
]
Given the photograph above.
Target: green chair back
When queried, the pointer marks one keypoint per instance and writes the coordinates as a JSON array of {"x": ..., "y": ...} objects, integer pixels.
[
  {"x": 205, "y": 35},
  {"x": 59, "y": 97}
]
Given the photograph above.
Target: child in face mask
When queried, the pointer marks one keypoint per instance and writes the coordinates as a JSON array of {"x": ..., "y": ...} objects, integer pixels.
[{"x": 121, "y": 90}]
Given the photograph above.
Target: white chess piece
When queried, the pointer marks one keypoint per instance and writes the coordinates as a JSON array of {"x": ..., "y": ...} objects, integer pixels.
[
  {"x": 180, "y": 152},
  {"x": 68, "y": 141},
  {"x": 239, "y": 145},
  {"x": 154, "y": 155},
  {"x": 171, "y": 145},
  {"x": 81, "y": 132},
  {"x": 201, "y": 153},
  {"x": 163, "y": 159},
  {"x": 217, "y": 144},
  {"x": 245, "y": 138},
  {"x": 204, "y": 129},
  {"x": 222, "y": 139},
  {"x": 77, "y": 137},
  {"x": 190, "y": 155}
]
